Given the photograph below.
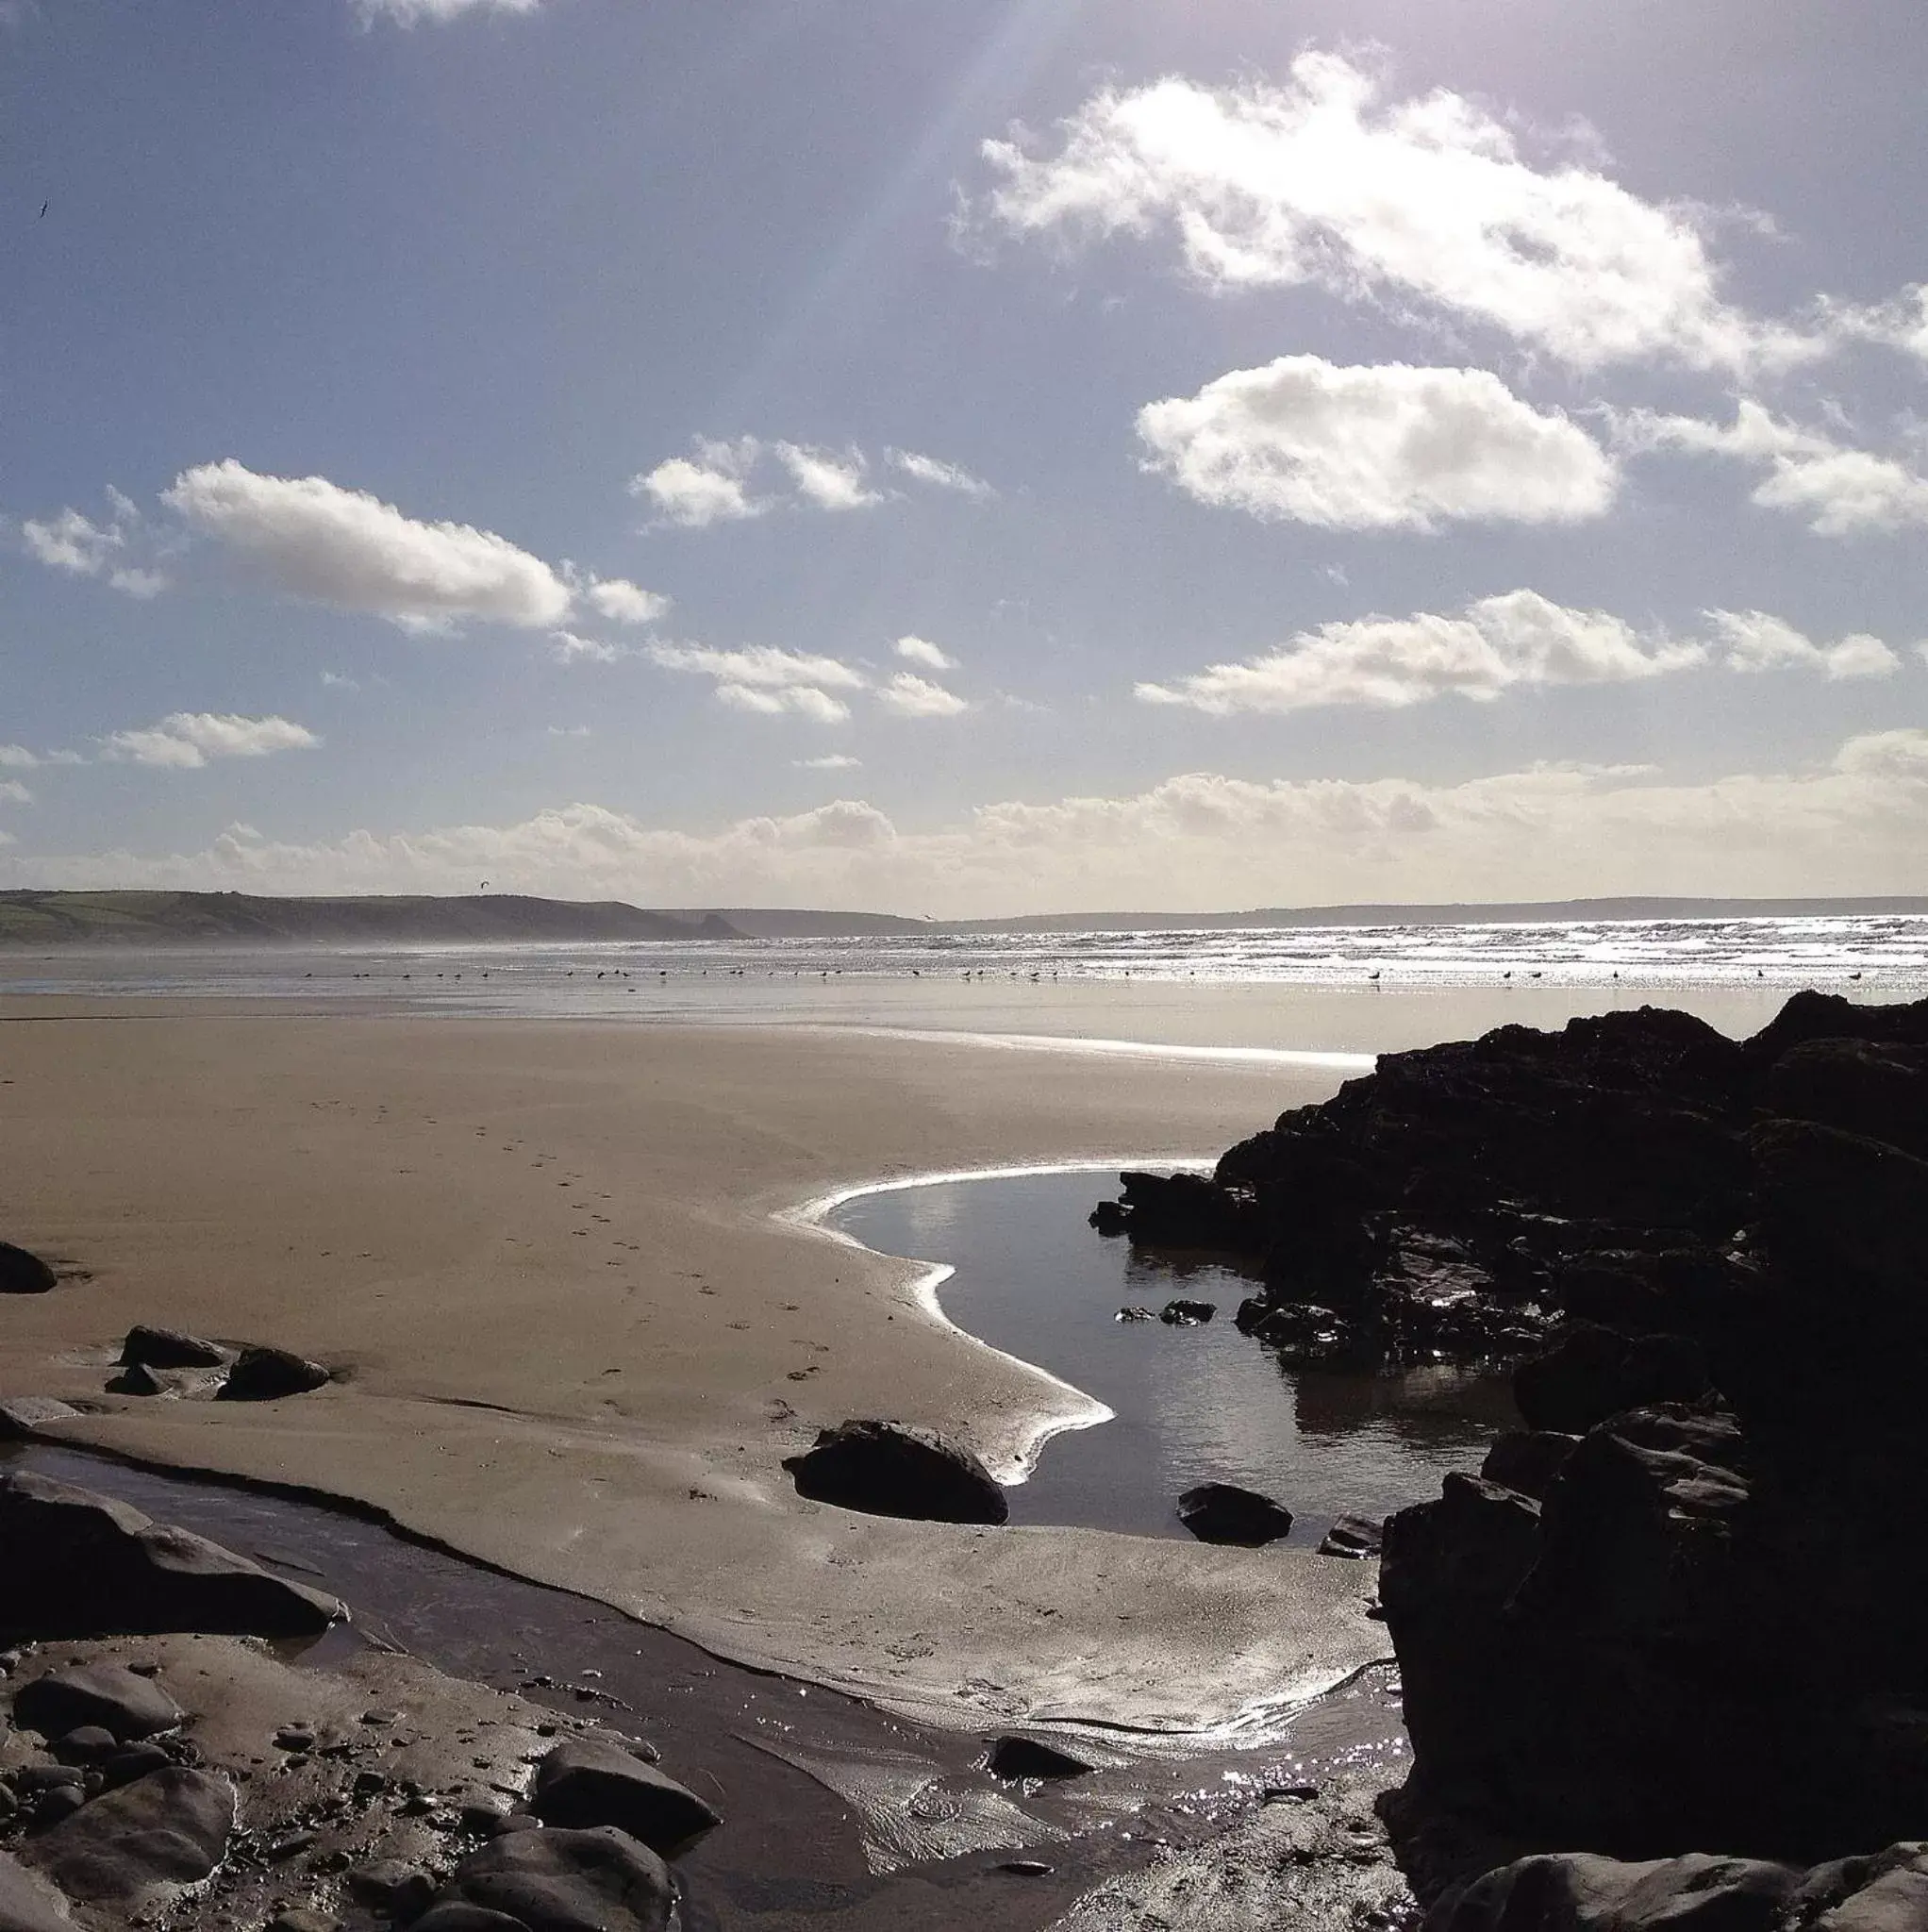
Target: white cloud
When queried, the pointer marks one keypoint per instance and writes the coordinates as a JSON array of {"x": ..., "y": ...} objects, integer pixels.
[
  {"x": 415, "y": 12},
  {"x": 1494, "y": 645},
  {"x": 1753, "y": 640},
  {"x": 1375, "y": 448},
  {"x": 832, "y": 761},
  {"x": 187, "y": 740},
  {"x": 827, "y": 480},
  {"x": 16, "y": 758},
  {"x": 922, "y": 651},
  {"x": 1427, "y": 199},
  {"x": 334, "y": 681},
  {"x": 911, "y": 696},
  {"x": 1849, "y": 825},
  {"x": 75, "y": 544},
  {"x": 315, "y": 540},
  {"x": 765, "y": 680},
  {"x": 569, "y": 647},
  {"x": 14, "y": 792},
  {"x": 937, "y": 473},
  {"x": 1842, "y": 491},
  {"x": 622, "y": 602},
  {"x": 568, "y": 731},
  {"x": 712, "y": 488}
]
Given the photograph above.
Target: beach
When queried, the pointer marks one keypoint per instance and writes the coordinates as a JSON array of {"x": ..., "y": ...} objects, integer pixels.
[{"x": 576, "y": 1324}]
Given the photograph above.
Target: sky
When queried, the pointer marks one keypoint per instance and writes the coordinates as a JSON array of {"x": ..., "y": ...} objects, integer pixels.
[{"x": 963, "y": 457}]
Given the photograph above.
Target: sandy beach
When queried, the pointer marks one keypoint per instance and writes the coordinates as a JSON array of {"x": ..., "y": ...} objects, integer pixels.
[{"x": 574, "y": 1335}]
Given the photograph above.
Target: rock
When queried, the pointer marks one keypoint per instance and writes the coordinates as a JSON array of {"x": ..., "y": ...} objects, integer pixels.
[
  {"x": 24, "y": 1417},
  {"x": 593, "y": 1781},
  {"x": 558, "y": 1881},
  {"x": 1184, "y": 1210},
  {"x": 1026, "y": 1868},
  {"x": 886, "y": 1469},
  {"x": 1184, "y": 1314},
  {"x": 77, "y": 1563},
  {"x": 22, "y": 1272},
  {"x": 1590, "y": 1372},
  {"x": 392, "y": 1890},
  {"x": 1023, "y": 1757},
  {"x": 138, "y": 1380},
  {"x": 120, "y": 1705},
  {"x": 123, "y": 1767},
  {"x": 1575, "y": 1891},
  {"x": 168, "y": 1348},
  {"x": 464, "y": 1918},
  {"x": 89, "y": 1745},
  {"x": 28, "y": 1904},
  {"x": 1352, "y": 1536},
  {"x": 1134, "y": 1315},
  {"x": 268, "y": 1374},
  {"x": 1224, "y": 1513},
  {"x": 303, "y": 1919},
  {"x": 58, "y": 1802},
  {"x": 1108, "y": 1218},
  {"x": 171, "y": 1827},
  {"x": 1527, "y": 1460}
]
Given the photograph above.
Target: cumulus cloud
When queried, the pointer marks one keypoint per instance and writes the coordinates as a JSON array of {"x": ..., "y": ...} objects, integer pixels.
[
  {"x": 570, "y": 647},
  {"x": 116, "y": 550},
  {"x": 1495, "y": 645},
  {"x": 766, "y": 680},
  {"x": 14, "y": 792},
  {"x": 187, "y": 740},
  {"x": 622, "y": 602},
  {"x": 1842, "y": 491},
  {"x": 1849, "y": 823},
  {"x": 937, "y": 473},
  {"x": 710, "y": 488},
  {"x": 828, "y": 480},
  {"x": 1322, "y": 179},
  {"x": 922, "y": 651},
  {"x": 1753, "y": 640},
  {"x": 315, "y": 540},
  {"x": 911, "y": 696},
  {"x": 17, "y": 758},
  {"x": 415, "y": 12},
  {"x": 1375, "y": 448}
]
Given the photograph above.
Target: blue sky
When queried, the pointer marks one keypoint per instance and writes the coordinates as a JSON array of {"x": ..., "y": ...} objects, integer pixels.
[{"x": 964, "y": 457}]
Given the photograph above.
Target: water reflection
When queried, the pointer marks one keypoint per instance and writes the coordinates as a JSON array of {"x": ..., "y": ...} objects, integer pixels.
[{"x": 1193, "y": 1403}]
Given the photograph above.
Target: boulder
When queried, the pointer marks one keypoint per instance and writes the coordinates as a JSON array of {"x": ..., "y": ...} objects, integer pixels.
[
  {"x": 1023, "y": 1757},
  {"x": 22, "y": 1272},
  {"x": 23, "y": 1418},
  {"x": 1186, "y": 1314},
  {"x": 104, "y": 1697},
  {"x": 171, "y": 1828},
  {"x": 168, "y": 1348},
  {"x": 76, "y": 1564},
  {"x": 28, "y": 1904},
  {"x": 266, "y": 1374},
  {"x": 888, "y": 1469},
  {"x": 1352, "y": 1536},
  {"x": 391, "y": 1890},
  {"x": 1576, "y": 1892},
  {"x": 590, "y": 1781},
  {"x": 1224, "y": 1513},
  {"x": 558, "y": 1881}
]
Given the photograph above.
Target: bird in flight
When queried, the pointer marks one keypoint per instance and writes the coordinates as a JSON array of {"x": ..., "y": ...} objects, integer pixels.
[{"x": 44, "y": 207}]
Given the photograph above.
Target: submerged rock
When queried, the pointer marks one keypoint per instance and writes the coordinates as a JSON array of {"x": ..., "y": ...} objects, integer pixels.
[
  {"x": 1184, "y": 1314},
  {"x": 1224, "y": 1513},
  {"x": 888, "y": 1469},
  {"x": 590, "y": 1781},
  {"x": 76, "y": 1564}
]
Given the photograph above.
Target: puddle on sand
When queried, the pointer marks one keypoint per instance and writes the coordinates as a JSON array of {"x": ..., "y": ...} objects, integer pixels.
[
  {"x": 839, "y": 1817},
  {"x": 1191, "y": 1405}
]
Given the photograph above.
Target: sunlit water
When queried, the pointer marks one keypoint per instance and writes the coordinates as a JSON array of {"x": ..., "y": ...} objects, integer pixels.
[{"x": 1191, "y": 1405}]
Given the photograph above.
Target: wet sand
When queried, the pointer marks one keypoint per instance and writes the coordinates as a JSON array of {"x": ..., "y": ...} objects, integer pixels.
[{"x": 575, "y": 1342}]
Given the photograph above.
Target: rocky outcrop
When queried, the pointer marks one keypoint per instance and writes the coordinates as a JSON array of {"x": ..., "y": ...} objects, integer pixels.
[
  {"x": 591, "y": 1781},
  {"x": 557, "y": 1881},
  {"x": 888, "y": 1469},
  {"x": 76, "y": 1564},
  {"x": 1224, "y": 1513}
]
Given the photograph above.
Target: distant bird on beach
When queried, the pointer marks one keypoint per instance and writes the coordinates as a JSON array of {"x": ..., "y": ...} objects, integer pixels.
[
  {"x": 1373, "y": 977},
  {"x": 1854, "y": 975},
  {"x": 1507, "y": 974}
]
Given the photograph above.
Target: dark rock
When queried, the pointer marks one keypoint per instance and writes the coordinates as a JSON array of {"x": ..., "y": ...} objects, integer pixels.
[
  {"x": 120, "y": 1705},
  {"x": 22, "y": 1272},
  {"x": 138, "y": 1380},
  {"x": 1224, "y": 1513},
  {"x": 1352, "y": 1536},
  {"x": 28, "y": 1904},
  {"x": 1023, "y": 1757},
  {"x": 1527, "y": 1460},
  {"x": 887, "y": 1469},
  {"x": 31, "y": 1779},
  {"x": 168, "y": 1348},
  {"x": 593, "y": 1781},
  {"x": 123, "y": 1767},
  {"x": 23, "y": 1418},
  {"x": 58, "y": 1802},
  {"x": 303, "y": 1919},
  {"x": 1108, "y": 1218},
  {"x": 76, "y": 1564},
  {"x": 465, "y": 1917},
  {"x": 1184, "y": 1314},
  {"x": 1590, "y": 1372},
  {"x": 1134, "y": 1315},
  {"x": 1184, "y": 1210},
  {"x": 392, "y": 1890},
  {"x": 171, "y": 1827},
  {"x": 268, "y": 1374},
  {"x": 1026, "y": 1868},
  {"x": 1576, "y": 1892},
  {"x": 600, "y": 1880},
  {"x": 89, "y": 1745}
]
